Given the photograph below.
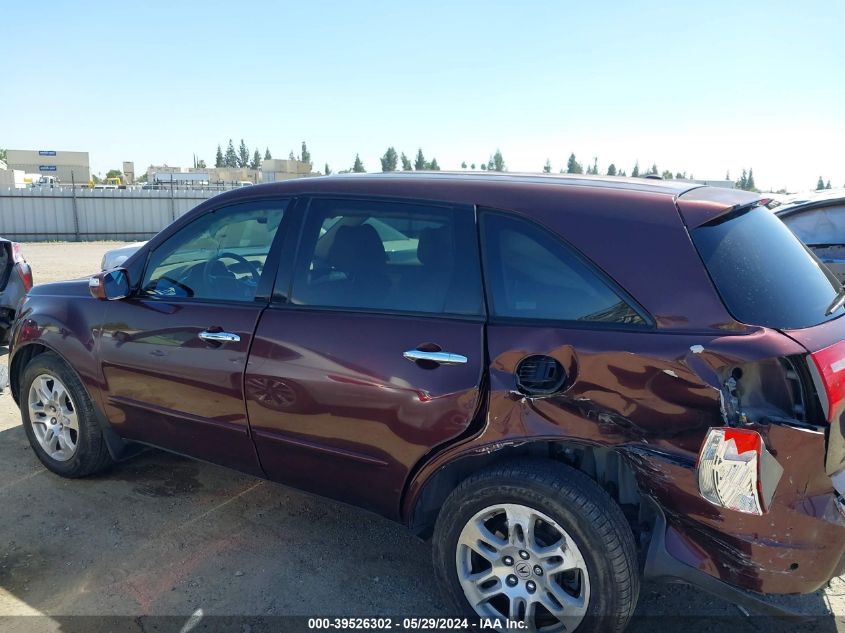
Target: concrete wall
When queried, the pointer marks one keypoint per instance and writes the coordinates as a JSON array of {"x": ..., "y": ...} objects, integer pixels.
[{"x": 40, "y": 215}]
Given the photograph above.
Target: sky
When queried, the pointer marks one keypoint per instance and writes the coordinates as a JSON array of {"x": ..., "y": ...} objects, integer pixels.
[{"x": 701, "y": 87}]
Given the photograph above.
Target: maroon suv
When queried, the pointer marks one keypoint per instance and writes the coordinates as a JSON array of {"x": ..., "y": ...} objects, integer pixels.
[{"x": 568, "y": 383}]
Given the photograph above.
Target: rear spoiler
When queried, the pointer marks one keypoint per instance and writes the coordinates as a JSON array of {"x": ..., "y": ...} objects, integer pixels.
[
  {"x": 711, "y": 205},
  {"x": 736, "y": 211}
]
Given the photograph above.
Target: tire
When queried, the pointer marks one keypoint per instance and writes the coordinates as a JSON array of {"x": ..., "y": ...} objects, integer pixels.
[
  {"x": 594, "y": 534},
  {"x": 90, "y": 453}
]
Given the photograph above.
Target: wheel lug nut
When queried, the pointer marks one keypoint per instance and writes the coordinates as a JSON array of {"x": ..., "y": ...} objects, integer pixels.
[
  {"x": 524, "y": 555},
  {"x": 531, "y": 586},
  {"x": 511, "y": 581},
  {"x": 538, "y": 571},
  {"x": 507, "y": 560}
]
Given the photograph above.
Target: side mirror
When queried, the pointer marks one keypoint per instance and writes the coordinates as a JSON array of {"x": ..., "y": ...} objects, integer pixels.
[{"x": 109, "y": 285}]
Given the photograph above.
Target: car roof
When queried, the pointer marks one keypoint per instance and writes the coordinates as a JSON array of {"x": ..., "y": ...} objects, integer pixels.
[
  {"x": 697, "y": 203},
  {"x": 494, "y": 178}
]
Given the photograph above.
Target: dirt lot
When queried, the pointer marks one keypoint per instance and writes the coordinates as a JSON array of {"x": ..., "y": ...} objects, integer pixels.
[{"x": 163, "y": 535}]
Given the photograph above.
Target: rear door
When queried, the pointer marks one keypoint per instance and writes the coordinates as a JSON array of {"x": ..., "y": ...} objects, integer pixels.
[{"x": 371, "y": 354}]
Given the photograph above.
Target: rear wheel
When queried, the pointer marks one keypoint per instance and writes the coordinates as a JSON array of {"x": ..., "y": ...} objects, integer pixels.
[
  {"x": 539, "y": 543},
  {"x": 59, "y": 419}
]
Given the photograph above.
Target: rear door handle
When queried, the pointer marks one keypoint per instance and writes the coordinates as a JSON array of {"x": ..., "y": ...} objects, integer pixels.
[
  {"x": 219, "y": 337},
  {"x": 441, "y": 358}
]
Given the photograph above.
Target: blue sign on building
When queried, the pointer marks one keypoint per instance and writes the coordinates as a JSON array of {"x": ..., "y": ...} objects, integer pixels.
[
  {"x": 46, "y": 168},
  {"x": 46, "y": 152}
]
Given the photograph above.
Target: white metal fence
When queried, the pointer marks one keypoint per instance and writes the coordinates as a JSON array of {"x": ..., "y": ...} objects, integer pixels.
[{"x": 40, "y": 215}]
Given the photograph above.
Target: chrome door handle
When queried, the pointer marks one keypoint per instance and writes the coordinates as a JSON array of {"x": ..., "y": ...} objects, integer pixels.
[
  {"x": 441, "y": 358},
  {"x": 219, "y": 337}
]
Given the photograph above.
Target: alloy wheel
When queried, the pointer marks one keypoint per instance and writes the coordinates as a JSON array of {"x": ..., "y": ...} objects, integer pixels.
[
  {"x": 53, "y": 416},
  {"x": 518, "y": 563}
]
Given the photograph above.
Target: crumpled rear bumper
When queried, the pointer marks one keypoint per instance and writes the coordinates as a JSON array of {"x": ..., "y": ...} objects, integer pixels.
[{"x": 795, "y": 547}]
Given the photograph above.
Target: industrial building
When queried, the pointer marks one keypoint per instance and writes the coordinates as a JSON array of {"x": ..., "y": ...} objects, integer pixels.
[{"x": 67, "y": 167}]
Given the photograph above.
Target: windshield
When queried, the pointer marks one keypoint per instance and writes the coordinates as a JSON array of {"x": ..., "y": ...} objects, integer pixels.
[{"x": 764, "y": 274}]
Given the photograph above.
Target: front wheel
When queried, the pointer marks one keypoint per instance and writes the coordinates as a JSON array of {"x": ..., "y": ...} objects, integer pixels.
[
  {"x": 538, "y": 543},
  {"x": 59, "y": 418}
]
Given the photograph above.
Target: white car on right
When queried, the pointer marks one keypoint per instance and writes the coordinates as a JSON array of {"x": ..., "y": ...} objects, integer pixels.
[{"x": 818, "y": 219}]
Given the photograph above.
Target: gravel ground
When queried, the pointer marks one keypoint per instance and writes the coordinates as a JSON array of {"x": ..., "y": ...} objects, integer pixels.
[{"x": 162, "y": 535}]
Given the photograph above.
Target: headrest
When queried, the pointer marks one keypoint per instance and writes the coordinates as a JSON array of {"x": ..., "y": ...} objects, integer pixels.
[
  {"x": 357, "y": 248},
  {"x": 435, "y": 247}
]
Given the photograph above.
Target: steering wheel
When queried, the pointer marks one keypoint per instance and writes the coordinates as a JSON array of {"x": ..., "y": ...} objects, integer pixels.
[{"x": 253, "y": 269}]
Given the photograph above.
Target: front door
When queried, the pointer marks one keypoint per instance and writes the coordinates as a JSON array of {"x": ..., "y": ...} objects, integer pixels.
[
  {"x": 377, "y": 356},
  {"x": 173, "y": 355}
]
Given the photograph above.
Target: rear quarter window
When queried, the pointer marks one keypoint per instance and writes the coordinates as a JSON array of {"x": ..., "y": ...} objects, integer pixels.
[
  {"x": 763, "y": 273},
  {"x": 533, "y": 275}
]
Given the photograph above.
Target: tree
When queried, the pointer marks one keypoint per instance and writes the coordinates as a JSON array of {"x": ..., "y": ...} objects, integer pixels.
[
  {"x": 749, "y": 183},
  {"x": 728, "y": 175},
  {"x": 547, "y": 168},
  {"x": 200, "y": 164},
  {"x": 483, "y": 166},
  {"x": 243, "y": 155},
  {"x": 666, "y": 175},
  {"x": 820, "y": 184},
  {"x": 406, "y": 163},
  {"x": 636, "y": 171},
  {"x": 327, "y": 170},
  {"x": 3, "y": 154},
  {"x": 358, "y": 166},
  {"x": 595, "y": 169},
  {"x": 306, "y": 155},
  {"x": 114, "y": 173},
  {"x": 433, "y": 166},
  {"x": 390, "y": 160},
  {"x": 653, "y": 170},
  {"x": 291, "y": 156},
  {"x": 419, "y": 163},
  {"x": 611, "y": 170},
  {"x": 742, "y": 183},
  {"x": 267, "y": 155},
  {"x": 496, "y": 162},
  {"x": 218, "y": 161},
  {"x": 622, "y": 173},
  {"x": 256, "y": 160},
  {"x": 463, "y": 164},
  {"x": 827, "y": 186},
  {"x": 573, "y": 166},
  {"x": 472, "y": 166},
  {"x": 230, "y": 159}
]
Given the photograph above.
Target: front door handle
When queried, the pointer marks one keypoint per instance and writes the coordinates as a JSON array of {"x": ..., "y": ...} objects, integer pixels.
[
  {"x": 219, "y": 337},
  {"x": 441, "y": 358}
]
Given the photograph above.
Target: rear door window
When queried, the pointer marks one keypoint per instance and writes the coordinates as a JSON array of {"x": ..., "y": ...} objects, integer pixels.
[
  {"x": 388, "y": 256},
  {"x": 533, "y": 275},
  {"x": 763, "y": 273}
]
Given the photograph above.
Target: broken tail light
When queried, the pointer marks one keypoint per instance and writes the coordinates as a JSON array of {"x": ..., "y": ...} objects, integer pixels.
[
  {"x": 24, "y": 269},
  {"x": 25, "y": 272},
  {"x": 829, "y": 364},
  {"x": 736, "y": 471}
]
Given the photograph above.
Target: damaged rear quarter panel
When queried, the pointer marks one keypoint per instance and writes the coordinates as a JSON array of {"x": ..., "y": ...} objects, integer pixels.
[{"x": 654, "y": 402}]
